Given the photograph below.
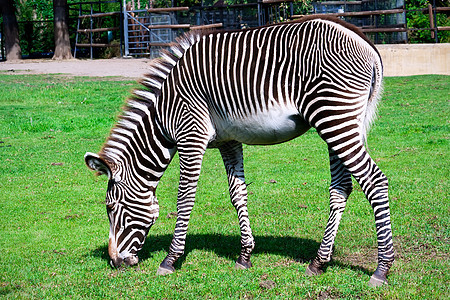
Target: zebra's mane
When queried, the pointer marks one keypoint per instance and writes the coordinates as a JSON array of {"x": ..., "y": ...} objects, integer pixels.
[
  {"x": 161, "y": 67},
  {"x": 143, "y": 100}
]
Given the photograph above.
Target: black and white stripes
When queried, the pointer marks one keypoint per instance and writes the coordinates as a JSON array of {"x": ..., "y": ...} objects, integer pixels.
[{"x": 257, "y": 86}]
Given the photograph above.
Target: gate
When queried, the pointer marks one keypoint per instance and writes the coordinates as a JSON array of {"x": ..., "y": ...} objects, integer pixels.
[{"x": 146, "y": 31}]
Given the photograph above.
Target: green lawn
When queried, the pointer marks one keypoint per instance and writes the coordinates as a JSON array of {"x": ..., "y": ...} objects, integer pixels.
[{"x": 54, "y": 228}]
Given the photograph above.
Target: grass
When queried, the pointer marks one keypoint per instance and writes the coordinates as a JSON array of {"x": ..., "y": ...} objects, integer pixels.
[{"x": 54, "y": 229}]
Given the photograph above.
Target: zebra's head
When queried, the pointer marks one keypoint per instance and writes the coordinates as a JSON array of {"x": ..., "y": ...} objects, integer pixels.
[{"x": 132, "y": 209}]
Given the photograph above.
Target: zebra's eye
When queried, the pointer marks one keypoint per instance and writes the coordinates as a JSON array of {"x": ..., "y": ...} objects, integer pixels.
[{"x": 111, "y": 206}]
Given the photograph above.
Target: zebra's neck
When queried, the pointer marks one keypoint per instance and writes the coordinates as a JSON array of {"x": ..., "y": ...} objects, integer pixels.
[
  {"x": 137, "y": 144},
  {"x": 137, "y": 148},
  {"x": 160, "y": 68}
]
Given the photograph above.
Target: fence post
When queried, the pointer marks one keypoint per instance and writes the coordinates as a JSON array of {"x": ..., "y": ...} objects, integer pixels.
[
  {"x": 2, "y": 41},
  {"x": 91, "y": 23},
  {"x": 431, "y": 18},
  {"x": 125, "y": 28},
  {"x": 435, "y": 23},
  {"x": 121, "y": 32}
]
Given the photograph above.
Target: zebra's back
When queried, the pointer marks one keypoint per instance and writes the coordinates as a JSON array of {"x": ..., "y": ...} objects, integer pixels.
[{"x": 270, "y": 84}]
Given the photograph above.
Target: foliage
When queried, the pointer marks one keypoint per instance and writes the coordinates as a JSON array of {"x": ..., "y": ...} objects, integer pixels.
[
  {"x": 419, "y": 19},
  {"x": 43, "y": 9},
  {"x": 54, "y": 229},
  {"x": 36, "y": 37},
  {"x": 34, "y": 10},
  {"x": 302, "y": 7}
]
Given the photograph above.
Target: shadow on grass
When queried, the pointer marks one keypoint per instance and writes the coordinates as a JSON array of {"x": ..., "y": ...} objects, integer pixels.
[
  {"x": 228, "y": 246},
  {"x": 6, "y": 289}
]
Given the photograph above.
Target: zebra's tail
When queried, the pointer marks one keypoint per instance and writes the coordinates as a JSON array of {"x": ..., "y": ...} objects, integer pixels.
[{"x": 376, "y": 91}]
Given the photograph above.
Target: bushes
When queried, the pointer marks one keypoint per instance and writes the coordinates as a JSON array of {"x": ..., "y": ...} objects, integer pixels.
[{"x": 420, "y": 19}]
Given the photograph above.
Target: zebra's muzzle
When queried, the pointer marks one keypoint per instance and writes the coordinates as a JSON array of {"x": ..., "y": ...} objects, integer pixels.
[{"x": 117, "y": 262}]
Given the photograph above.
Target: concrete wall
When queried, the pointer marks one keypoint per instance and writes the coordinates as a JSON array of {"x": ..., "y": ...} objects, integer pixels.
[{"x": 415, "y": 59}]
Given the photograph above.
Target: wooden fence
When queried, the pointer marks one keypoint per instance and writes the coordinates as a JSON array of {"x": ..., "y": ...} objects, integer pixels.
[{"x": 430, "y": 10}]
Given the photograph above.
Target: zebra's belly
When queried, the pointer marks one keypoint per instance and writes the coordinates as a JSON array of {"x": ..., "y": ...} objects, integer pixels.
[{"x": 263, "y": 128}]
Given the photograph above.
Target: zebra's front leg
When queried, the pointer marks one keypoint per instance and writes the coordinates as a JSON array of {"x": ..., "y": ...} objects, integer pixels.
[
  {"x": 190, "y": 165},
  {"x": 234, "y": 164},
  {"x": 340, "y": 189}
]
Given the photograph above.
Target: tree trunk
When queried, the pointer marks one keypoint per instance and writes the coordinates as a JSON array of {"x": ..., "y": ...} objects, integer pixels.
[
  {"x": 62, "y": 41},
  {"x": 12, "y": 45}
]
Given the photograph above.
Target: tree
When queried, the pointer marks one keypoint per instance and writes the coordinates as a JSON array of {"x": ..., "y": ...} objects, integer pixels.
[
  {"x": 12, "y": 46},
  {"x": 62, "y": 41}
]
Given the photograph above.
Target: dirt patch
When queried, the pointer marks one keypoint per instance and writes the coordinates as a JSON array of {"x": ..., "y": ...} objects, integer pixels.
[
  {"x": 267, "y": 284},
  {"x": 406, "y": 250},
  {"x": 329, "y": 293},
  {"x": 364, "y": 259},
  {"x": 119, "y": 67},
  {"x": 409, "y": 249}
]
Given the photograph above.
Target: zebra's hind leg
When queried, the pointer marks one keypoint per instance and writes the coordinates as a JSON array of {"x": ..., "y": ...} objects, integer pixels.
[
  {"x": 375, "y": 186},
  {"x": 340, "y": 189},
  {"x": 191, "y": 155},
  {"x": 353, "y": 155},
  {"x": 234, "y": 164}
]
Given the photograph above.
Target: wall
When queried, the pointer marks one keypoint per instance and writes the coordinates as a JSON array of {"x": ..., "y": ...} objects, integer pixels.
[{"x": 415, "y": 59}]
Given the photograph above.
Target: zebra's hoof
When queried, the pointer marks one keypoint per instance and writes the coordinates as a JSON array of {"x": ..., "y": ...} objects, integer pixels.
[
  {"x": 376, "y": 281},
  {"x": 313, "y": 271},
  {"x": 242, "y": 264},
  {"x": 166, "y": 267},
  {"x": 239, "y": 266},
  {"x": 163, "y": 271}
]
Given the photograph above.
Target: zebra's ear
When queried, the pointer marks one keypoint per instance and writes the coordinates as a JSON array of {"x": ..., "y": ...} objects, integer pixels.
[{"x": 94, "y": 162}]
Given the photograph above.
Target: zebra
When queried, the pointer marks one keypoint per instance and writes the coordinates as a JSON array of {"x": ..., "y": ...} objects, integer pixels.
[{"x": 260, "y": 86}]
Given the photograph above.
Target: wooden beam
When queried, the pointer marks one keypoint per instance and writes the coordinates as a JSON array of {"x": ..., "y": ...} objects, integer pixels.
[
  {"x": 438, "y": 9},
  {"x": 97, "y": 45},
  {"x": 160, "y": 44},
  {"x": 167, "y": 9},
  {"x": 275, "y": 1},
  {"x": 340, "y": 2},
  {"x": 100, "y": 15},
  {"x": 218, "y": 6},
  {"x": 185, "y": 26},
  {"x": 384, "y": 29},
  {"x": 359, "y": 13},
  {"x": 207, "y": 26},
  {"x": 171, "y": 26},
  {"x": 99, "y": 29}
]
